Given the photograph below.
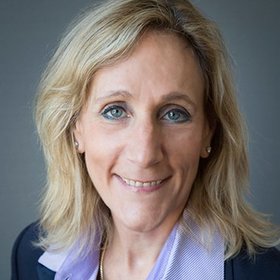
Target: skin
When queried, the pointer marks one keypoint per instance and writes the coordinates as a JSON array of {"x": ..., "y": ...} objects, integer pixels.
[{"x": 144, "y": 122}]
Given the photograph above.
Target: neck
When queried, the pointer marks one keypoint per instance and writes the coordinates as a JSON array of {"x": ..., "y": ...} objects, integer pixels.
[{"x": 131, "y": 252}]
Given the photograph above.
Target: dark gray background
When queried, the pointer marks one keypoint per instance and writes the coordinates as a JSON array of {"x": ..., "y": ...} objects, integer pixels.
[{"x": 29, "y": 32}]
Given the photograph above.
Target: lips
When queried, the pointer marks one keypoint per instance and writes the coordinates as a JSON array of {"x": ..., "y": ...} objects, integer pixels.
[{"x": 141, "y": 184}]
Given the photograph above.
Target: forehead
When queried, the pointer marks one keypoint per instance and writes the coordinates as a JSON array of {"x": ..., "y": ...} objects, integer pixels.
[{"x": 161, "y": 62}]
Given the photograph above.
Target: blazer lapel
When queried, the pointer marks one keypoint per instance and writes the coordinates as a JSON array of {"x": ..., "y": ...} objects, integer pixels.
[
  {"x": 44, "y": 273},
  {"x": 228, "y": 270}
]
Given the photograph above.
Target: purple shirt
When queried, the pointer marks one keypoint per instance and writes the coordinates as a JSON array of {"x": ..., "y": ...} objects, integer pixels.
[{"x": 183, "y": 256}]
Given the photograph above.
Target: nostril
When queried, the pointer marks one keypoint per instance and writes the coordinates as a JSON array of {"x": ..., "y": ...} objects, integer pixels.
[{"x": 145, "y": 155}]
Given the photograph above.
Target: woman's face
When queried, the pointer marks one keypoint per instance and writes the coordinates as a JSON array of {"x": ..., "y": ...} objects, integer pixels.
[{"x": 143, "y": 132}]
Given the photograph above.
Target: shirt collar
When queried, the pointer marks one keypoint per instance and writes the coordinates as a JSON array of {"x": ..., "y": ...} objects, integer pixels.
[
  {"x": 53, "y": 260},
  {"x": 183, "y": 256}
]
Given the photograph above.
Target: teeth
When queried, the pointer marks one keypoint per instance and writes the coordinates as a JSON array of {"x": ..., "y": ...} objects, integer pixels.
[{"x": 139, "y": 184}]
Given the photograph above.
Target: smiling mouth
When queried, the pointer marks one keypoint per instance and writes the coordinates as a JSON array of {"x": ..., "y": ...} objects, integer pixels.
[{"x": 141, "y": 184}]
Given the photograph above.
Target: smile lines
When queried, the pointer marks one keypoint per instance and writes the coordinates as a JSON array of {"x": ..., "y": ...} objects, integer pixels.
[{"x": 139, "y": 184}]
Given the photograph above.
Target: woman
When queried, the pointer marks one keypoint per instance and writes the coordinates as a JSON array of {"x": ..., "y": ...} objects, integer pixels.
[{"x": 146, "y": 155}]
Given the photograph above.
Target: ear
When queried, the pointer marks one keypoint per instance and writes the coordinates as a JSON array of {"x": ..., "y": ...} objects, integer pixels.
[
  {"x": 78, "y": 137},
  {"x": 207, "y": 137}
]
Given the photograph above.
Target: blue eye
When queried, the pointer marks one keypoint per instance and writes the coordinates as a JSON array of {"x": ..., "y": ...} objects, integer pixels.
[
  {"x": 177, "y": 116},
  {"x": 114, "y": 112}
]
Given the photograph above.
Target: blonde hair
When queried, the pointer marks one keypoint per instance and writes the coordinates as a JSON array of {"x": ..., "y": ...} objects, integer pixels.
[{"x": 71, "y": 208}]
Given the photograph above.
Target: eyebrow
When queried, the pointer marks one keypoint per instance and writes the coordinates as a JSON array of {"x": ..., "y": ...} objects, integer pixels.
[
  {"x": 175, "y": 95},
  {"x": 112, "y": 94},
  {"x": 171, "y": 96}
]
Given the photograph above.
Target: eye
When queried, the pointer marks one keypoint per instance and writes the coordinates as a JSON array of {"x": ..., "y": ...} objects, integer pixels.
[
  {"x": 114, "y": 112},
  {"x": 176, "y": 115}
]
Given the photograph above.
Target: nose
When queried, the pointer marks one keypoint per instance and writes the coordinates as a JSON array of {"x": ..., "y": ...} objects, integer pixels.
[{"x": 145, "y": 145}]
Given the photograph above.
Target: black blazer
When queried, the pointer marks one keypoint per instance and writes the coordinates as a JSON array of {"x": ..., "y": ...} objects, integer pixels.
[{"x": 25, "y": 266}]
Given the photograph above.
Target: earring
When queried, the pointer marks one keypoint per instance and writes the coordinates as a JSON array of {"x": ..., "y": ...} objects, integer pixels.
[
  {"x": 76, "y": 143},
  {"x": 208, "y": 149}
]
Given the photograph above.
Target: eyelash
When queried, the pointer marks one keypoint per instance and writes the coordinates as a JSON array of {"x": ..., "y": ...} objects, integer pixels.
[
  {"x": 182, "y": 114},
  {"x": 109, "y": 109}
]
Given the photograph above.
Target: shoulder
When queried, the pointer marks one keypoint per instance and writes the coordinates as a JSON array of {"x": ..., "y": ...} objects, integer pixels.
[
  {"x": 265, "y": 265},
  {"x": 25, "y": 254}
]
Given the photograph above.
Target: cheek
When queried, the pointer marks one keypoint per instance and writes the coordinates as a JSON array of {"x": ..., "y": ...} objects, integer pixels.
[
  {"x": 101, "y": 152},
  {"x": 98, "y": 143},
  {"x": 184, "y": 156},
  {"x": 184, "y": 145}
]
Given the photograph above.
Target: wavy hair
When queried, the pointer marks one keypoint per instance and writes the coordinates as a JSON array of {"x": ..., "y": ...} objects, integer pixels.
[{"x": 71, "y": 207}]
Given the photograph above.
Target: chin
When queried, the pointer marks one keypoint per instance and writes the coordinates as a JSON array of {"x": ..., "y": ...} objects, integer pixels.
[{"x": 145, "y": 221}]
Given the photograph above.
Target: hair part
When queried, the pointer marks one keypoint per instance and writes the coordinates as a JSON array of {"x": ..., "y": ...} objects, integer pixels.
[{"x": 71, "y": 207}]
